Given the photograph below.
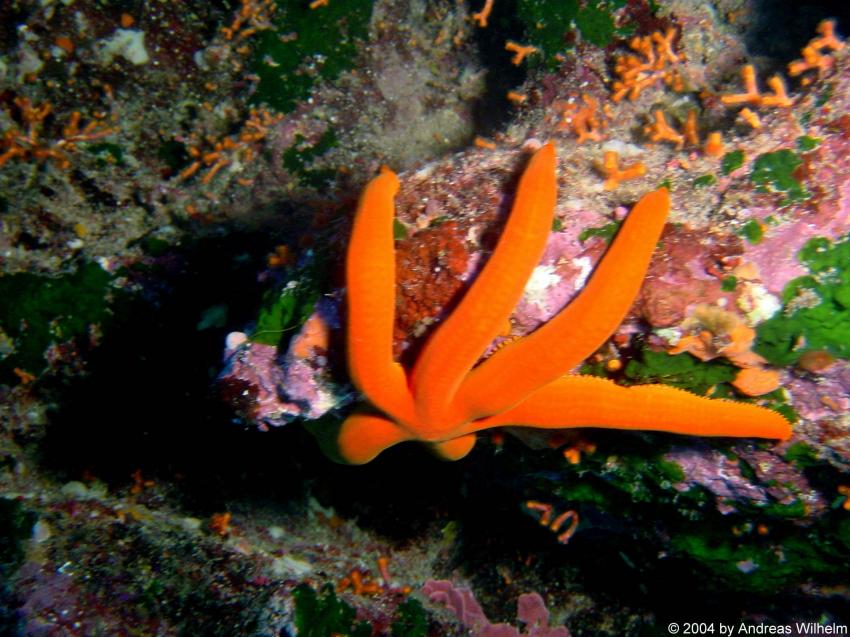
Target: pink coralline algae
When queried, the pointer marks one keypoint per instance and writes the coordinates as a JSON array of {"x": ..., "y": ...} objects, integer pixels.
[
  {"x": 531, "y": 611},
  {"x": 270, "y": 389},
  {"x": 718, "y": 474}
]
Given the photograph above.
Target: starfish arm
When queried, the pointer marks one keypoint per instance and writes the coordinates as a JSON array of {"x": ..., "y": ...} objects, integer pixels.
[
  {"x": 370, "y": 279},
  {"x": 587, "y": 401},
  {"x": 363, "y": 436},
  {"x": 459, "y": 342},
  {"x": 578, "y": 330},
  {"x": 455, "y": 448}
]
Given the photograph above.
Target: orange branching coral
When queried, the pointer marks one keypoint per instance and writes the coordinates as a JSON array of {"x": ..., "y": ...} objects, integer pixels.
[
  {"x": 752, "y": 96},
  {"x": 813, "y": 53},
  {"x": 481, "y": 16},
  {"x": 844, "y": 489},
  {"x": 713, "y": 144},
  {"x": 282, "y": 256},
  {"x": 582, "y": 120},
  {"x": 359, "y": 583},
  {"x": 652, "y": 65},
  {"x": 232, "y": 148},
  {"x": 661, "y": 131},
  {"x": 220, "y": 523},
  {"x": 716, "y": 333},
  {"x": 517, "y": 98},
  {"x": 26, "y": 143},
  {"x": 253, "y": 16},
  {"x": 610, "y": 168},
  {"x": 520, "y": 51},
  {"x": 750, "y": 117},
  {"x": 751, "y": 93},
  {"x": 546, "y": 511},
  {"x": 690, "y": 130},
  {"x": 572, "y": 454},
  {"x": 362, "y": 583},
  {"x": 140, "y": 483}
]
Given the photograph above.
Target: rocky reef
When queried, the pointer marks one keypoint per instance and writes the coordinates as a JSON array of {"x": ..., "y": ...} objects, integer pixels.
[{"x": 177, "y": 186}]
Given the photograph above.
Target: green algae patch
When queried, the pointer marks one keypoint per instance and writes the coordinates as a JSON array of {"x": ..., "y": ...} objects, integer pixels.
[
  {"x": 298, "y": 158},
  {"x": 304, "y": 47},
  {"x": 802, "y": 455},
  {"x": 705, "y": 180},
  {"x": 549, "y": 24},
  {"x": 683, "y": 371},
  {"x": 605, "y": 232},
  {"x": 806, "y": 143},
  {"x": 752, "y": 231},
  {"x": 410, "y": 620},
  {"x": 774, "y": 172},
  {"x": 324, "y": 614},
  {"x": 816, "y": 312},
  {"x": 732, "y": 161},
  {"x": 38, "y": 311},
  {"x": 753, "y": 564},
  {"x": 16, "y": 524},
  {"x": 285, "y": 309},
  {"x": 729, "y": 283}
]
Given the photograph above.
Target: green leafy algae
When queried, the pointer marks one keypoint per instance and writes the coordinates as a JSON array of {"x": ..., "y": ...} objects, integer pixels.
[
  {"x": 816, "y": 313},
  {"x": 306, "y": 46},
  {"x": 705, "y": 180},
  {"x": 283, "y": 310},
  {"x": 325, "y": 615},
  {"x": 774, "y": 172},
  {"x": 802, "y": 455},
  {"x": 107, "y": 153},
  {"x": 410, "y": 620},
  {"x": 754, "y": 564},
  {"x": 605, "y": 232},
  {"x": 596, "y": 22},
  {"x": 399, "y": 230},
  {"x": 729, "y": 283},
  {"x": 752, "y": 231},
  {"x": 549, "y": 23},
  {"x": 805, "y": 143},
  {"x": 297, "y": 160},
  {"x": 732, "y": 161},
  {"x": 15, "y": 529},
  {"x": 38, "y": 310},
  {"x": 683, "y": 371}
]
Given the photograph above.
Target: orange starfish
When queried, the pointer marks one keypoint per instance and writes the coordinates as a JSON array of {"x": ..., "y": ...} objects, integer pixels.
[{"x": 446, "y": 398}]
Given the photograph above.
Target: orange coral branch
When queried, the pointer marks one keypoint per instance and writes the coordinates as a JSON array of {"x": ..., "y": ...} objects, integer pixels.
[
  {"x": 610, "y": 168},
  {"x": 481, "y": 16},
  {"x": 520, "y": 51}
]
